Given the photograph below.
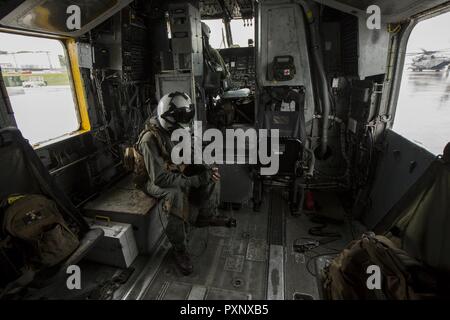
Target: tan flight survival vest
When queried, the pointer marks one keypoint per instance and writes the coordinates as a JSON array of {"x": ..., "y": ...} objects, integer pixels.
[{"x": 134, "y": 160}]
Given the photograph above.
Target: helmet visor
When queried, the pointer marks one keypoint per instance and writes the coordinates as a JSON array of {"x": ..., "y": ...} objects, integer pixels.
[
  {"x": 184, "y": 115},
  {"x": 181, "y": 116}
]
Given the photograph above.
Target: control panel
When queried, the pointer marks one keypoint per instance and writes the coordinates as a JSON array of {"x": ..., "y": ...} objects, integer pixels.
[{"x": 241, "y": 64}]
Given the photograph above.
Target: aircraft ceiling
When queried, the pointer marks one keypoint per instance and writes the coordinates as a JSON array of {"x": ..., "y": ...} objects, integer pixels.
[
  {"x": 392, "y": 10},
  {"x": 213, "y": 9}
]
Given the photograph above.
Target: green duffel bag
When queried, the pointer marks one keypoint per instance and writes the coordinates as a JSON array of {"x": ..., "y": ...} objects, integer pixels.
[{"x": 35, "y": 221}]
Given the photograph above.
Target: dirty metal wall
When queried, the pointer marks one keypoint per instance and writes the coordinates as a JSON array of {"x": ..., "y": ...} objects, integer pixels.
[
  {"x": 373, "y": 50},
  {"x": 392, "y": 11},
  {"x": 401, "y": 164},
  {"x": 283, "y": 32}
]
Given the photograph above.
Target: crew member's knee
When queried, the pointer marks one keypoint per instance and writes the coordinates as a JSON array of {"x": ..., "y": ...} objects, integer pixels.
[
  {"x": 212, "y": 188},
  {"x": 173, "y": 200}
]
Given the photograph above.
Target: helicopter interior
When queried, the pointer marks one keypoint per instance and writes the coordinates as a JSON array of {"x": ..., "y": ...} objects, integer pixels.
[{"x": 311, "y": 70}]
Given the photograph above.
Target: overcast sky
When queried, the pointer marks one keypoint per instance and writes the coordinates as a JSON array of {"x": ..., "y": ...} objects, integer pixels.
[
  {"x": 432, "y": 34},
  {"x": 15, "y": 43},
  {"x": 240, "y": 33}
]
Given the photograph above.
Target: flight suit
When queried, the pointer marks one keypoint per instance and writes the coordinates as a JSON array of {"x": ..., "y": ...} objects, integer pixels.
[
  {"x": 216, "y": 61},
  {"x": 183, "y": 198},
  {"x": 217, "y": 57}
]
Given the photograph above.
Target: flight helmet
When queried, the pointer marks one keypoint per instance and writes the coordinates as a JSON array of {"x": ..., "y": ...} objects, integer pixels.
[
  {"x": 206, "y": 31},
  {"x": 175, "y": 111}
]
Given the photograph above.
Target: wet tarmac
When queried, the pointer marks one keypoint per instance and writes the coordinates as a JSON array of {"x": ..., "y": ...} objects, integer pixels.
[
  {"x": 423, "y": 110},
  {"x": 53, "y": 106}
]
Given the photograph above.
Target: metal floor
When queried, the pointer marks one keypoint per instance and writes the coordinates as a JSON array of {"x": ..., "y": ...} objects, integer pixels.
[
  {"x": 256, "y": 260},
  {"x": 302, "y": 271},
  {"x": 228, "y": 263}
]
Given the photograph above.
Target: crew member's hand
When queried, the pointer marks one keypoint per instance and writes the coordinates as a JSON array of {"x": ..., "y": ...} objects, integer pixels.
[{"x": 215, "y": 174}]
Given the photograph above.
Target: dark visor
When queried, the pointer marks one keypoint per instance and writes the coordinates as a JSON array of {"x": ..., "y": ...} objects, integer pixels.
[{"x": 180, "y": 115}]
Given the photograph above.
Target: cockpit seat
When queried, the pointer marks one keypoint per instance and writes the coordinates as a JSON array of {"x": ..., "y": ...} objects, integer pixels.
[{"x": 236, "y": 94}]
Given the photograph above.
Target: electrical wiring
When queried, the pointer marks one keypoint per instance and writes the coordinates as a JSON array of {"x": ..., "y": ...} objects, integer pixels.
[
  {"x": 319, "y": 240},
  {"x": 314, "y": 258},
  {"x": 395, "y": 30},
  {"x": 318, "y": 232},
  {"x": 322, "y": 244},
  {"x": 309, "y": 244}
]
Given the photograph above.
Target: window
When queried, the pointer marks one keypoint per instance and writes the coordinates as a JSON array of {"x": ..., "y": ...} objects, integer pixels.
[
  {"x": 423, "y": 109},
  {"x": 217, "y": 39},
  {"x": 38, "y": 83},
  {"x": 241, "y": 31}
]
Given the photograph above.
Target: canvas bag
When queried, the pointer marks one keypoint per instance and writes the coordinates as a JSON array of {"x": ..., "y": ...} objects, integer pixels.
[
  {"x": 403, "y": 277},
  {"x": 36, "y": 222}
]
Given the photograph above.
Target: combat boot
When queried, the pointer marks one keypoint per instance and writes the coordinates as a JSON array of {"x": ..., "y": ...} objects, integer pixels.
[{"x": 183, "y": 262}]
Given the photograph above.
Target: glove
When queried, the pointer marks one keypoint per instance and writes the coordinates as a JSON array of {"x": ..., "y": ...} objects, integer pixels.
[{"x": 201, "y": 179}]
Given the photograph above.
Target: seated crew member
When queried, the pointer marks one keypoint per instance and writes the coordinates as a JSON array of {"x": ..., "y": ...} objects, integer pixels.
[
  {"x": 213, "y": 59},
  {"x": 178, "y": 186}
]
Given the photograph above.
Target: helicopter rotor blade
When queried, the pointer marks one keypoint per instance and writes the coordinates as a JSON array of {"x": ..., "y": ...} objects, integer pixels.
[{"x": 428, "y": 52}]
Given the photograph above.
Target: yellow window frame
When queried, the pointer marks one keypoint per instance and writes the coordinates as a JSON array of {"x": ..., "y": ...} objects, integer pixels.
[
  {"x": 76, "y": 78},
  {"x": 78, "y": 85}
]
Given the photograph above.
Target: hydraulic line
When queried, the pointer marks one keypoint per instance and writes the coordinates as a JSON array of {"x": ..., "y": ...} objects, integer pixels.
[{"x": 311, "y": 15}]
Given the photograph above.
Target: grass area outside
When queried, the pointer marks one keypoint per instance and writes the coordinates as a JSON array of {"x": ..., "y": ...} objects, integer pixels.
[{"x": 52, "y": 79}]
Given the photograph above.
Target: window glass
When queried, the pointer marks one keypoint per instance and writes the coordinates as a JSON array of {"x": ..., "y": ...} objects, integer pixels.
[
  {"x": 423, "y": 109},
  {"x": 35, "y": 72},
  {"x": 217, "y": 39},
  {"x": 242, "y": 31}
]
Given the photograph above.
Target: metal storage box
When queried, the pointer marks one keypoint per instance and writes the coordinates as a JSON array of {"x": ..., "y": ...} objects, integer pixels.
[
  {"x": 117, "y": 248},
  {"x": 123, "y": 203}
]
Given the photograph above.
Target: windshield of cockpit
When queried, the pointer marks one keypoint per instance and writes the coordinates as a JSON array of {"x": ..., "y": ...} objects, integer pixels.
[{"x": 242, "y": 30}]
